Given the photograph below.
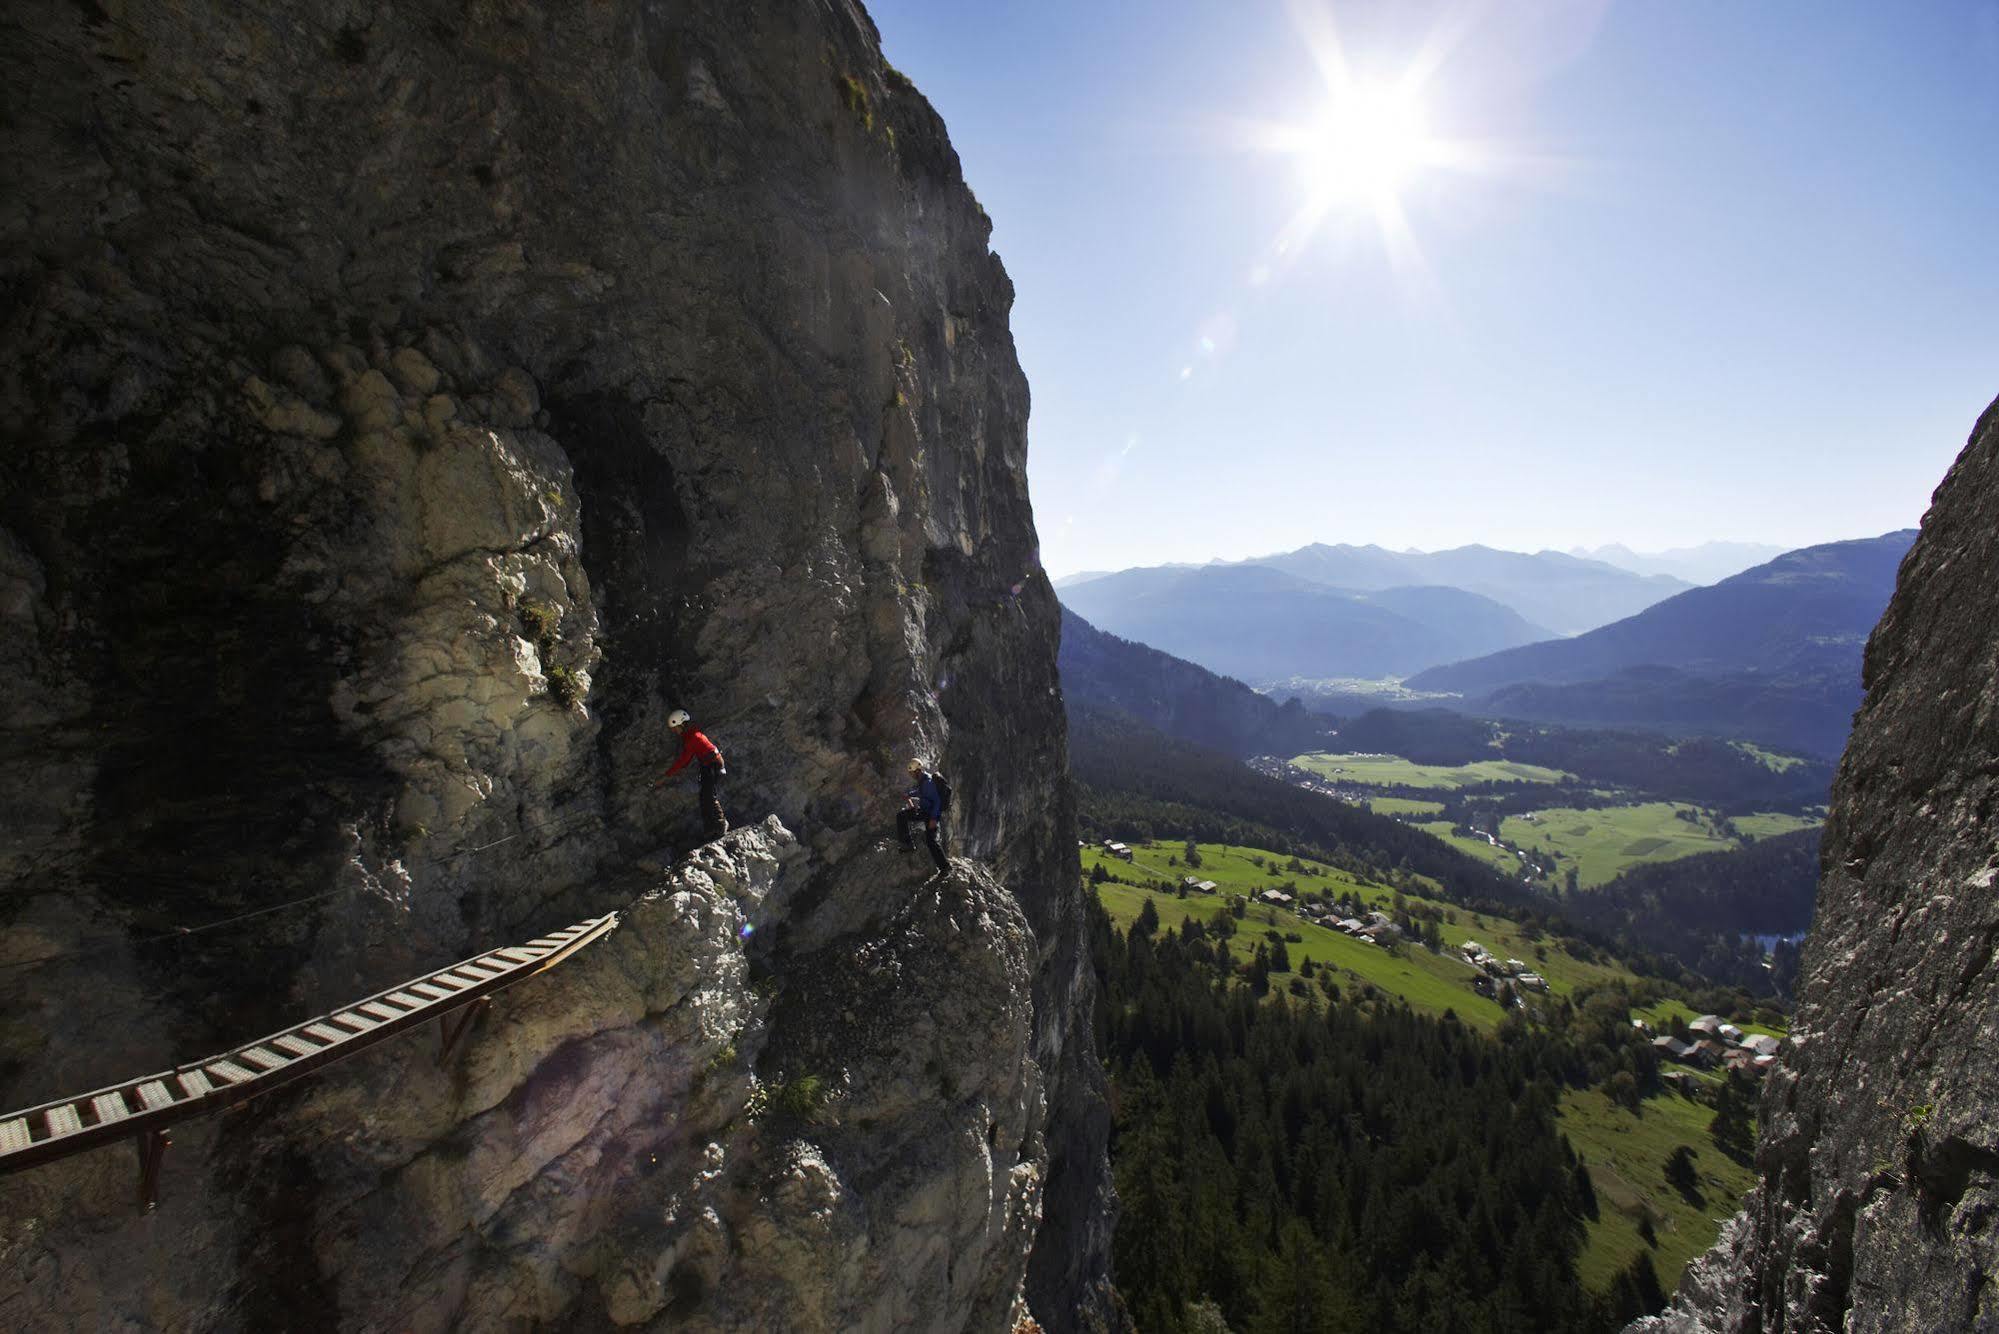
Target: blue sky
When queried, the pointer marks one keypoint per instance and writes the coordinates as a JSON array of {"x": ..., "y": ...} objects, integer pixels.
[{"x": 1713, "y": 270}]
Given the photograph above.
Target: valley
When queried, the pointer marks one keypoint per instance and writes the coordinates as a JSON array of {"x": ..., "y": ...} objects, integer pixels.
[{"x": 1642, "y": 1214}]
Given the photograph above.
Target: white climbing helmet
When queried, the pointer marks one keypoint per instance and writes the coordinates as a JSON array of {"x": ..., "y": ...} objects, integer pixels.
[
  {"x": 679, "y": 718},
  {"x": 915, "y": 766}
]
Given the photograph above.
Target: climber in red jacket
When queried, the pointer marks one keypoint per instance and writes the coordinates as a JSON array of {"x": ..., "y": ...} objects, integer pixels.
[{"x": 696, "y": 748}]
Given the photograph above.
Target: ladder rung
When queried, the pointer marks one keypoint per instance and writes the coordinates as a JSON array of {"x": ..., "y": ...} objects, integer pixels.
[
  {"x": 110, "y": 1107},
  {"x": 63, "y": 1120},
  {"x": 262, "y": 1059}
]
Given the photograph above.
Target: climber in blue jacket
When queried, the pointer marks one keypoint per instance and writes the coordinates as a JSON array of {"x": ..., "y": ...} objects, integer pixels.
[{"x": 926, "y": 802}]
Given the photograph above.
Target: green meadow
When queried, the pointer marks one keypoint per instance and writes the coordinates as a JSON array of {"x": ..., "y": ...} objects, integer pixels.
[
  {"x": 1404, "y": 806},
  {"x": 1771, "y": 825},
  {"x": 1431, "y": 982},
  {"x": 1600, "y": 843},
  {"x": 1626, "y": 1152},
  {"x": 1394, "y": 771}
]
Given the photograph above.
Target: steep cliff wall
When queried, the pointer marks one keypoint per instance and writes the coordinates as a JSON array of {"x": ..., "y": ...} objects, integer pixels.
[
  {"x": 402, "y": 407},
  {"x": 1878, "y": 1207}
]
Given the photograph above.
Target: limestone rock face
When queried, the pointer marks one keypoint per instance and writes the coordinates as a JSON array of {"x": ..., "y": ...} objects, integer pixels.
[
  {"x": 1878, "y": 1207},
  {"x": 402, "y": 408}
]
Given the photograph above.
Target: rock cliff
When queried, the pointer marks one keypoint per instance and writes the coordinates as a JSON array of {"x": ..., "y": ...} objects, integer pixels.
[
  {"x": 402, "y": 408},
  {"x": 1878, "y": 1206}
]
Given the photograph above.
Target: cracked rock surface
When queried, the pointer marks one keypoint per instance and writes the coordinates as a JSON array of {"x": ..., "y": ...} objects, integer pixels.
[
  {"x": 402, "y": 408},
  {"x": 1878, "y": 1205}
]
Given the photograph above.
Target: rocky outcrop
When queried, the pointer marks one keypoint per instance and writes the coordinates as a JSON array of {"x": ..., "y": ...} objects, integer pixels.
[
  {"x": 1878, "y": 1206},
  {"x": 403, "y": 407}
]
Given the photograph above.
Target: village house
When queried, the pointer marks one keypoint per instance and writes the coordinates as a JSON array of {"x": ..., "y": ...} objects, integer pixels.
[
  {"x": 1118, "y": 850},
  {"x": 1205, "y": 886},
  {"x": 1707, "y": 1053},
  {"x": 1671, "y": 1047},
  {"x": 1731, "y": 1033},
  {"x": 1763, "y": 1044},
  {"x": 1277, "y": 897},
  {"x": 1534, "y": 980},
  {"x": 1707, "y": 1025}
]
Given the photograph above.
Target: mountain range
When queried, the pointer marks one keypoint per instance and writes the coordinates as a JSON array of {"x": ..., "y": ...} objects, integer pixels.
[
  {"x": 1770, "y": 654},
  {"x": 1708, "y": 563},
  {"x": 1262, "y": 624},
  {"x": 1235, "y": 617},
  {"x": 1566, "y": 594}
]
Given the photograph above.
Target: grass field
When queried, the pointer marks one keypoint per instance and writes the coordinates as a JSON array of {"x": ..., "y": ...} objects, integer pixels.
[
  {"x": 1626, "y": 1153},
  {"x": 1603, "y": 842},
  {"x": 1404, "y": 806},
  {"x": 1497, "y": 857},
  {"x": 1431, "y": 982},
  {"x": 1771, "y": 825},
  {"x": 1394, "y": 771},
  {"x": 1770, "y": 759},
  {"x": 1233, "y": 869}
]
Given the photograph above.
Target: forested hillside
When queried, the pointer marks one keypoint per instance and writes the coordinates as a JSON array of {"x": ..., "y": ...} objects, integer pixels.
[
  {"x": 1178, "y": 697},
  {"x": 1313, "y": 1162}
]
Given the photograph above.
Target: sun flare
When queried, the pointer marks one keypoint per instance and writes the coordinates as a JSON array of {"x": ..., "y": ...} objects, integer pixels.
[{"x": 1366, "y": 146}]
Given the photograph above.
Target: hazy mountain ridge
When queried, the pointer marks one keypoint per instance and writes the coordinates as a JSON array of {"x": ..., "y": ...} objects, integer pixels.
[
  {"x": 1707, "y": 563},
  {"x": 1817, "y": 603},
  {"x": 1771, "y": 654},
  {"x": 1178, "y": 697},
  {"x": 1563, "y": 592},
  {"x": 1567, "y": 594},
  {"x": 1259, "y": 624}
]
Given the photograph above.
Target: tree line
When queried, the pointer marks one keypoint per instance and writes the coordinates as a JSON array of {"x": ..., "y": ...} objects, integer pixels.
[{"x": 1313, "y": 1161}]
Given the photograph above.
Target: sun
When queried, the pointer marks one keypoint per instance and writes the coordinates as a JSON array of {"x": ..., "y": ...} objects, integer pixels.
[{"x": 1366, "y": 146}]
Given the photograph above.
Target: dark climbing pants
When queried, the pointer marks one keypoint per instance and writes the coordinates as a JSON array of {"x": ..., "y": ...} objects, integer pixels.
[
  {"x": 933, "y": 835},
  {"x": 713, "y": 821}
]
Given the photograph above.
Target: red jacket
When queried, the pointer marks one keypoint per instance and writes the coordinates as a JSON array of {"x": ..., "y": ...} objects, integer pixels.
[{"x": 694, "y": 746}]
